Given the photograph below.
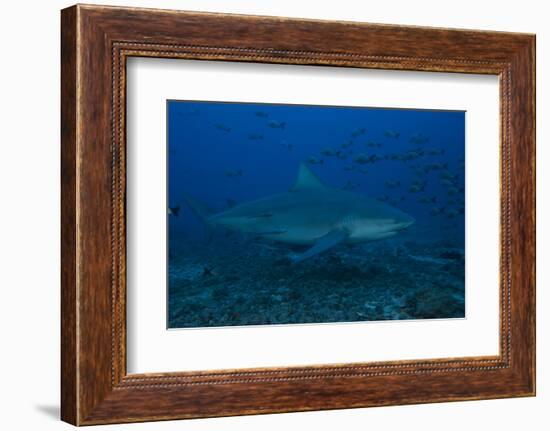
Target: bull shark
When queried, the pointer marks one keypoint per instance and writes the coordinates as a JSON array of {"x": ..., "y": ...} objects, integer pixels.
[{"x": 309, "y": 214}]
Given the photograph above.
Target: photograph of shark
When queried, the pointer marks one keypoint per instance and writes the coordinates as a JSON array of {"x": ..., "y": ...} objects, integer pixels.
[{"x": 306, "y": 214}]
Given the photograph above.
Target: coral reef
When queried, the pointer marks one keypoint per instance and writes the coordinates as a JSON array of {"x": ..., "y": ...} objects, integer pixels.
[{"x": 254, "y": 284}]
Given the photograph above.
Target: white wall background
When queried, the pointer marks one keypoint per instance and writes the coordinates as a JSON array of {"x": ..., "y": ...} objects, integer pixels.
[{"x": 29, "y": 217}]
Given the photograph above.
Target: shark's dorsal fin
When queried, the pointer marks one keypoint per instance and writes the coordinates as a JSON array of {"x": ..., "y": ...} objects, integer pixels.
[{"x": 306, "y": 180}]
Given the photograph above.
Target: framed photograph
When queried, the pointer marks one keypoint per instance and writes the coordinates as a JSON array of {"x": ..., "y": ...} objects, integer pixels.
[{"x": 265, "y": 215}]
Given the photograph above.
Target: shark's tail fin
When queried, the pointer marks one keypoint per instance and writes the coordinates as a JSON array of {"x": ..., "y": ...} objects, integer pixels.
[
  {"x": 202, "y": 212},
  {"x": 198, "y": 208}
]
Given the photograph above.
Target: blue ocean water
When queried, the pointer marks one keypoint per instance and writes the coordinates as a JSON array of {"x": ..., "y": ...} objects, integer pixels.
[{"x": 226, "y": 154}]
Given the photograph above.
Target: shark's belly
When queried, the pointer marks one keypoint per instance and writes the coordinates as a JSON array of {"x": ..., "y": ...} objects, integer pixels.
[
  {"x": 309, "y": 234},
  {"x": 301, "y": 236},
  {"x": 372, "y": 236}
]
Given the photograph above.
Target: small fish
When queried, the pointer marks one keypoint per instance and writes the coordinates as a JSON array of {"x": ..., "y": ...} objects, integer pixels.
[
  {"x": 451, "y": 191},
  {"x": 232, "y": 173},
  {"x": 255, "y": 136},
  {"x": 261, "y": 114},
  {"x": 448, "y": 176},
  {"x": 435, "y": 167},
  {"x": 392, "y": 156},
  {"x": 435, "y": 152},
  {"x": 287, "y": 145},
  {"x": 276, "y": 124},
  {"x": 174, "y": 210},
  {"x": 350, "y": 185},
  {"x": 223, "y": 128},
  {"x": 435, "y": 211},
  {"x": 361, "y": 159},
  {"x": 329, "y": 152},
  {"x": 411, "y": 155},
  {"x": 392, "y": 134},
  {"x": 392, "y": 184},
  {"x": 415, "y": 188},
  {"x": 451, "y": 213},
  {"x": 342, "y": 156},
  {"x": 428, "y": 200},
  {"x": 346, "y": 144},
  {"x": 358, "y": 132},
  {"x": 447, "y": 183},
  {"x": 312, "y": 160},
  {"x": 372, "y": 144},
  {"x": 364, "y": 171},
  {"x": 419, "y": 139}
]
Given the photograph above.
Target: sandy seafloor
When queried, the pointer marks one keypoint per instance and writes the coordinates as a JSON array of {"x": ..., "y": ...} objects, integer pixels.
[{"x": 247, "y": 282}]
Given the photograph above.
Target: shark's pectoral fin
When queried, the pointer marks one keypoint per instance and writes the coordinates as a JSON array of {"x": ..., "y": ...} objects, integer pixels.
[{"x": 331, "y": 239}]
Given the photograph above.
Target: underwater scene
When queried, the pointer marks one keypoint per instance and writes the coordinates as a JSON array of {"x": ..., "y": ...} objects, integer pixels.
[{"x": 295, "y": 214}]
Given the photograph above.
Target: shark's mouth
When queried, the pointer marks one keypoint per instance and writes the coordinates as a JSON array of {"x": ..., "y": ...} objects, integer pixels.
[
  {"x": 406, "y": 224},
  {"x": 400, "y": 225},
  {"x": 393, "y": 225}
]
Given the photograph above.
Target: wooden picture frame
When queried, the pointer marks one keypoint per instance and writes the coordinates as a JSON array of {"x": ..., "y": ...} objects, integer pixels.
[{"x": 95, "y": 43}]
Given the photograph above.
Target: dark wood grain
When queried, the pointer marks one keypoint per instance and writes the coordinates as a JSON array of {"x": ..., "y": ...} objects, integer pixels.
[
  {"x": 96, "y": 41},
  {"x": 69, "y": 397}
]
